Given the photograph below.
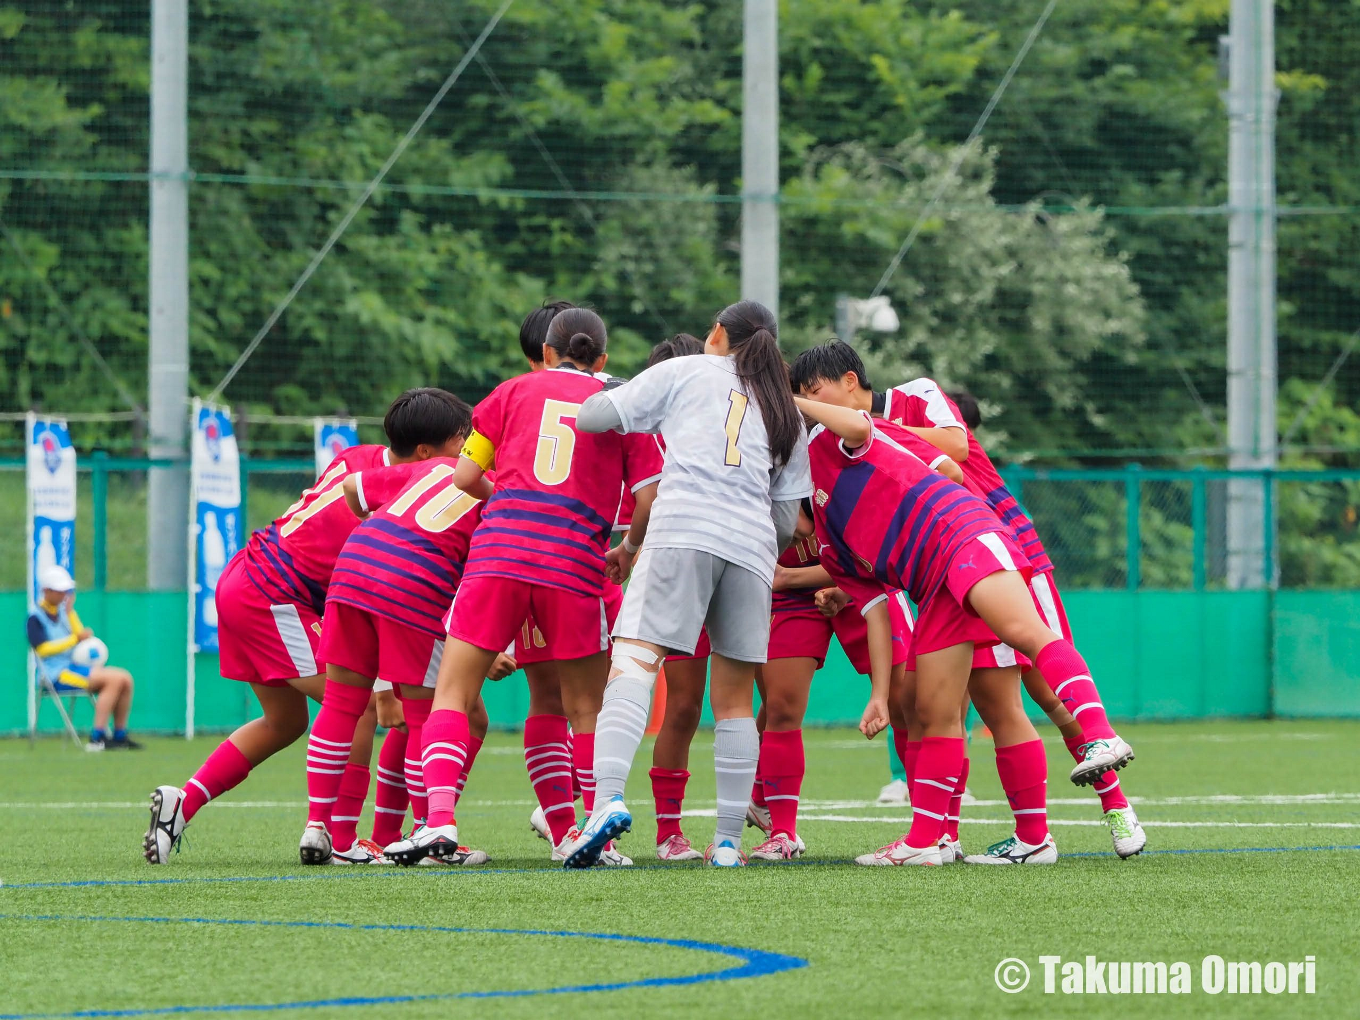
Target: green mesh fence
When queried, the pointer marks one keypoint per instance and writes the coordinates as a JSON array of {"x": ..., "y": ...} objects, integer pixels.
[{"x": 1072, "y": 275}]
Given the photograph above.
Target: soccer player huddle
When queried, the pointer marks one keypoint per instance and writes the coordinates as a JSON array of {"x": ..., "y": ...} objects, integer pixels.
[{"x": 762, "y": 509}]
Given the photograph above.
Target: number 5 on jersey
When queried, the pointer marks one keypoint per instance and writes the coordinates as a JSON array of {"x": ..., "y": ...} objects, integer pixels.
[
  {"x": 556, "y": 442},
  {"x": 736, "y": 412}
]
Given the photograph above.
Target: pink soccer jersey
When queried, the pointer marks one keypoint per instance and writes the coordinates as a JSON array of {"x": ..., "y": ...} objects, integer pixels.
[
  {"x": 885, "y": 518},
  {"x": 292, "y": 559},
  {"x": 921, "y": 404},
  {"x": 556, "y": 490},
  {"x": 404, "y": 563}
]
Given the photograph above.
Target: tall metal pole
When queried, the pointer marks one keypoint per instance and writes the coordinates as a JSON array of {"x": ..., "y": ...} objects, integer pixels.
[
  {"x": 1252, "y": 360},
  {"x": 760, "y": 154},
  {"x": 168, "y": 357}
]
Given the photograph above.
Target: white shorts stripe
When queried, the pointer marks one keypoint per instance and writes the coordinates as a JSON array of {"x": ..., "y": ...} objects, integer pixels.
[
  {"x": 294, "y": 637},
  {"x": 993, "y": 542},
  {"x": 1048, "y": 608},
  {"x": 432, "y": 670}
]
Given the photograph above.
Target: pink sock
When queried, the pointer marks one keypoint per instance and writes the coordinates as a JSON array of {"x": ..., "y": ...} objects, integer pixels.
[
  {"x": 446, "y": 738},
  {"x": 1023, "y": 769},
  {"x": 909, "y": 752},
  {"x": 328, "y": 747},
  {"x": 224, "y": 770},
  {"x": 349, "y": 805},
  {"x": 758, "y": 787},
  {"x": 548, "y": 759},
  {"x": 781, "y": 755},
  {"x": 583, "y": 767},
  {"x": 668, "y": 790},
  {"x": 416, "y": 713},
  {"x": 474, "y": 745},
  {"x": 1107, "y": 786},
  {"x": 1066, "y": 672},
  {"x": 951, "y": 825},
  {"x": 937, "y": 770},
  {"x": 389, "y": 799}
]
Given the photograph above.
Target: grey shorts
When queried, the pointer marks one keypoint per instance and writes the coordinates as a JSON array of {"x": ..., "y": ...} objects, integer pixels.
[{"x": 674, "y": 593}]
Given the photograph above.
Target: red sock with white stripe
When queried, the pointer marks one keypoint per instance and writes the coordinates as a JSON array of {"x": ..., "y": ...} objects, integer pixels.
[
  {"x": 1107, "y": 786},
  {"x": 1066, "y": 672},
  {"x": 1023, "y": 769},
  {"x": 328, "y": 749},
  {"x": 474, "y": 745},
  {"x": 758, "y": 787},
  {"x": 548, "y": 759},
  {"x": 349, "y": 805},
  {"x": 416, "y": 713},
  {"x": 446, "y": 737},
  {"x": 937, "y": 771},
  {"x": 583, "y": 767},
  {"x": 224, "y": 770},
  {"x": 951, "y": 825},
  {"x": 668, "y": 790},
  {"x": 782, "y": 764},
  {"x": 389, "y": 797}
]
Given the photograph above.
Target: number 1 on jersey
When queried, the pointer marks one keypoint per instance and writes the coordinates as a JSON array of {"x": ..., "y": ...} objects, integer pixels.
[{"x": 736, "y": 412}]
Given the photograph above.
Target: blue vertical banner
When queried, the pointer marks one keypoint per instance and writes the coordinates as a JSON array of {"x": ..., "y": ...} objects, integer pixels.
[
  {"x": 215, "y": 530},
  {"x": 51, "y": 483},
  {"x": 332, "y": 437}
]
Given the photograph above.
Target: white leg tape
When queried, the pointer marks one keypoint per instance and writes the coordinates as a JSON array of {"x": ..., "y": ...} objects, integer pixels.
[{"x": 632, "y": 660}]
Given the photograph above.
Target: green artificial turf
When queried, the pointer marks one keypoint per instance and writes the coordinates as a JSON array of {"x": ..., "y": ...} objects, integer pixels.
[{"x": 877, "y": 942}]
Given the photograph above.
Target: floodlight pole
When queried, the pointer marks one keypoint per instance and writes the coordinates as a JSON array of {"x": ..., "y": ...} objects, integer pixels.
[
  {"x": 168, "y": 285},
  {"x": 1252, "y": 359},
  {"x": 760, "y": 154}
]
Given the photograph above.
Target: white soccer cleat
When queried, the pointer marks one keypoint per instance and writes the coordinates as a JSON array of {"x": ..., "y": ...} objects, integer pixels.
[
  {"x": 758, "y": 817},
  {"x": 364, "y": 851},
  {"x": 896, "y": 792},
  {"x": 464, "y": 856},
  {"x": 167, "y": 823},
  {"x": 724, "y": 855},
  {"x": 1126, "y": 831},
  {"x": 899, "y": 853},
  {"x": 1099, "y": 757},
  {"x": 951, "y": 851},
  {"x": 438, "y": 841},
  {"x": 538, "y": 821},
  {"x": 95, "y": 746},
  {"x": 611, "y": 858},
  {"x": 563, "y": 849},
  {"x": 967, "y": 797},
  {"x": 1013, "y": 851},
  {"x": 315, "y": 845},
  {"x": 677, "y": 848},
  {"x": 778, "y": 847},
  {"x": 609, "y": 820}
]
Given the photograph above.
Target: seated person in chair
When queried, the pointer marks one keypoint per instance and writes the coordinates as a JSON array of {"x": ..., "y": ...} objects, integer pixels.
[{"x": 54, "y": 631}]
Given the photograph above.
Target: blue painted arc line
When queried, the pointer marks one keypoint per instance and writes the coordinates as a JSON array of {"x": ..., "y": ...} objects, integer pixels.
[
  {"x": 356, "y": 873},
  {"x": 751, "y": 963}
]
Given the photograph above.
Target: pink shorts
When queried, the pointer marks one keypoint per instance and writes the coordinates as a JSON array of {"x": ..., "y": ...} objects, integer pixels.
[
  {"x": 488, "y": 612},
  {"x": 260, "y": 642},
  {"x": 701, "y": 651},
  {"x": 854, "y": 635},
  {"x": 376, "y": 647},
  {"x": 799, "y": 633},
  {"x": 946, "y": 619},
  {"x": 1049, "y": 603},
  {"x": 530, "y": 645}
]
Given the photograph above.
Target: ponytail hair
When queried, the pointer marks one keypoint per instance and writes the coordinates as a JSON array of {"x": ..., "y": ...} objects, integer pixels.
[
  {"x": 752, "y": 337},
  {"x": 678, "y": 346},
  {"x": 578, "y": 335}
]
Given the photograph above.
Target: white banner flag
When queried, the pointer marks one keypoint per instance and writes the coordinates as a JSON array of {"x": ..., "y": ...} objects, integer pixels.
[
  {"x": 332, "y": 437},
  {"x": 51, "y": 480},
  {"x": 216, "y": 526}
]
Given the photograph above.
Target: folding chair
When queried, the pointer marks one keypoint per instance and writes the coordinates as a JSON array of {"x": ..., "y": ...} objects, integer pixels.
[{"x": 47, "y": 689}]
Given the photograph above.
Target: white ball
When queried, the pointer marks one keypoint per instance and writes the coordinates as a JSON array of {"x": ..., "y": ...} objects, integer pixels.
[{"x": 91, "y": 652}]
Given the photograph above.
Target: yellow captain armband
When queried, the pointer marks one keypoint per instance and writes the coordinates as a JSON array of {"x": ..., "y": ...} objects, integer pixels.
[{"x": 479, "y": 450}]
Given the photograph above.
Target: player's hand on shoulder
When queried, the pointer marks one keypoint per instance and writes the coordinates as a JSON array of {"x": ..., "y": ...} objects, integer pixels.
[
  {"x": 502, "y": 667},
  {"x": 831, "y": 601}
]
